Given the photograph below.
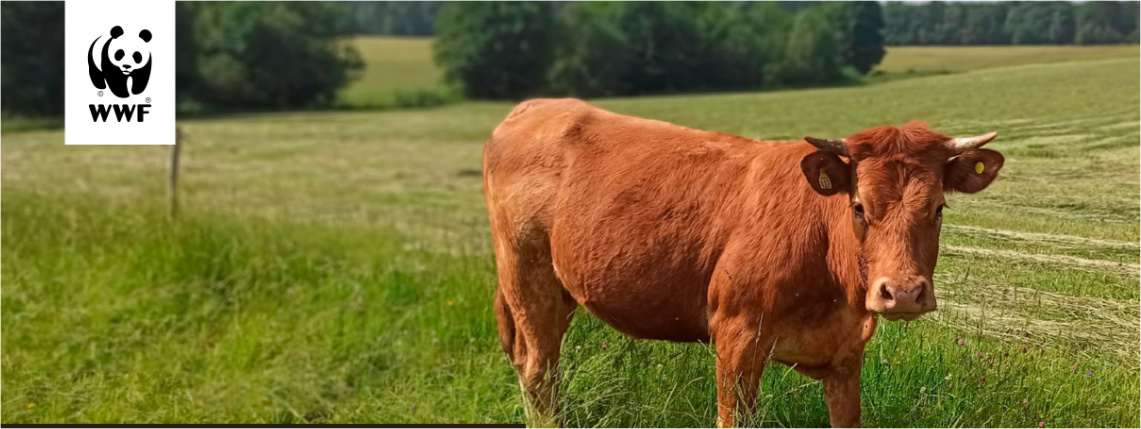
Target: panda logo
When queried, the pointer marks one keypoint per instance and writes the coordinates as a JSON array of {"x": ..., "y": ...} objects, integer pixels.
[{"x": 122, "y": 59}]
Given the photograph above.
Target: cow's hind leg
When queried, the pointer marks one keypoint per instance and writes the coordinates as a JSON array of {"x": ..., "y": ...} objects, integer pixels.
[{"x": 533, "y": 311}]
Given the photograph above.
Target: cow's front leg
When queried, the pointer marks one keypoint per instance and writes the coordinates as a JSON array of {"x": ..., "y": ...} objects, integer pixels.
[
  {"x": 740, "y": 363},
  {"x": 842, "y": 393}
]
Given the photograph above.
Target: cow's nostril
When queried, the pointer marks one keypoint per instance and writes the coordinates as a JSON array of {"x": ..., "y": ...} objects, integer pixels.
[
  {"x": 885, "y": 293},
  {"x": 922, "y": 292}
]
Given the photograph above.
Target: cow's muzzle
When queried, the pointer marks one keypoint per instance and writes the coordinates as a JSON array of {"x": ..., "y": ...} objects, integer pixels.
[{"x": 907, "y": 299}]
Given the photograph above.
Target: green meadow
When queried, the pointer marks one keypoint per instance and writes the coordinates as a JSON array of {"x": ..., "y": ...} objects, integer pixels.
[
  {"x": 962, "y": 58},
  {"x": 399, "y": 72},
  {"x": 336, "y": 267}
]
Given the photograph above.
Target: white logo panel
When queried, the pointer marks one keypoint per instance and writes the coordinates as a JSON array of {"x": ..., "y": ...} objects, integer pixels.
[{"x": 119, "y": 72}]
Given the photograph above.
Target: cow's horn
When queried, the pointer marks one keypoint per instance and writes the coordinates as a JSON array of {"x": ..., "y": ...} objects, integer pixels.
[
  {"x": 835, "y": 146},
  {"x": 963, "y": 144}
]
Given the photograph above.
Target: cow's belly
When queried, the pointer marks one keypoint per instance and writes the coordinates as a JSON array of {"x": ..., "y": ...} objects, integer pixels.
[
  {"x": 643, "y": 302},
  {"x": 650, "y": 288},
  {"x": 662, "y": 322}
]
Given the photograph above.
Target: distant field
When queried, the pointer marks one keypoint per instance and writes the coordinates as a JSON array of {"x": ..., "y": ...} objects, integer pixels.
[
  {"x": 962, "y": 58},
  {"x": 335, "y": 267},
  {"x": 404, "y": 65},
  {"x": 393, "y": 65}
]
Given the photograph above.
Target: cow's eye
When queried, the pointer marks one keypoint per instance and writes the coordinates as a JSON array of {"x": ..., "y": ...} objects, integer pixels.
[
  {"x": 939, "y": 211},
  {"x": 858, "y": 209}
]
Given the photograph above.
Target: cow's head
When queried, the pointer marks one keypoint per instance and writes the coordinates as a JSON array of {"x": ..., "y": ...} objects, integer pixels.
[{"x": 895, "y": 179}]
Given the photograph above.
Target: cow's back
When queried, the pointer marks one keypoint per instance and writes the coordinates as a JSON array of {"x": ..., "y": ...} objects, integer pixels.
[{"x": 634, "y": 210}]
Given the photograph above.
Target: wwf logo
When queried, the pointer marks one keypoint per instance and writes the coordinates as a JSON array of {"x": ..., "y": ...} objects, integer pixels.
[
  {"x": 123, "y": 60},
  {"x": 124, "y": 94},
  {"x": 124, "y": 68}
]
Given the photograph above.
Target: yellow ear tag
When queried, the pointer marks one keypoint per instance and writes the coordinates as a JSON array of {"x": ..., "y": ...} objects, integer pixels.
[
  {"x": 979, "y": 168},
  {"x": 825, "y": 182}
]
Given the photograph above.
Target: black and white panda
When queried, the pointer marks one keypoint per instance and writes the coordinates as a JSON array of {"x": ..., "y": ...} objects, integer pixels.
[{"x": 121, "y": 58}]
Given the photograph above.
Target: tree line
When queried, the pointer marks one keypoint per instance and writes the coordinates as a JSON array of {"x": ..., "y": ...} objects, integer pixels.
[
  {"x": 230, "y": 56},
  {"x": 286, "y": 55},
  {"x": 391, "y": 18},
  {"x": 1007, "y": 23},
  {"x": 906, "y": 23},
  {"x": 514, "y": 50}
]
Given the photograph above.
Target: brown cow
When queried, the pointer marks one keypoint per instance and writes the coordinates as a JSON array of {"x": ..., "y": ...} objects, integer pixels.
[{"x": 782, "y": 251}]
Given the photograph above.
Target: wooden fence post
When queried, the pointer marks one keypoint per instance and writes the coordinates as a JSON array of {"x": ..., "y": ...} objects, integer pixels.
[{"x": 172, "y": 175}]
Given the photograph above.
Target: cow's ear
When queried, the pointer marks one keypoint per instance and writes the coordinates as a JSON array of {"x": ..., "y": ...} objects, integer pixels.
[
  {"x": 972, "y": 171},
  {"x": 826, "y": 172}
]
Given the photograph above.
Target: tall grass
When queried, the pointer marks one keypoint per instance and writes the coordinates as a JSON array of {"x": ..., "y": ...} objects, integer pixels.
[{"x": 114, "y": 314}]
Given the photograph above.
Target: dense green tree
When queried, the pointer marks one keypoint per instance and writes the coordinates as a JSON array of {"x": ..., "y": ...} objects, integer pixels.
[
  {"x": 1103, "y": 22},
  {"x": 732, "y": 44},
  {"x": 1029, "y": 23},
  {"x": 937, "y": 23},
  {"x": 930, "y": 24},
  {"x": 632, "y": 48},
  {"x": 401, "y": 18},
  {"x": 31, "y": 75},
  {"x": 626, "y": 48},
  {"x": 186, "y": 75},
  {"x": 990, "y": 18},
  {"x": 271, "y": 55},
  {"x": 496, "y": 49},
  {"x": 896, "y": 17},
  {"x": 812, "y": 55},
  {"x": 617, "y": 48},
  {"x": 1133, "y": 18},
  {"x": 592, "y": 54},
  {"x": 1062, "y": 25},
  {"x": 774, "y": 27},
  {"x": 666, "y": 45},
  {"x": 863, "y": 35},
  {"x": 746, "y": 40}
]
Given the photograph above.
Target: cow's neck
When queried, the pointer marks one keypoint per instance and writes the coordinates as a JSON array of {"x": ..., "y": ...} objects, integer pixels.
[{"x": 845, "y": 254}]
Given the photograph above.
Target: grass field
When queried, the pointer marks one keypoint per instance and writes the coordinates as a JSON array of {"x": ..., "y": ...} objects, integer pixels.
[
  {"x": 396, "y": 67},
  {"x": 335, "y": 267},
  {"x": 962, "y": 58}
]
